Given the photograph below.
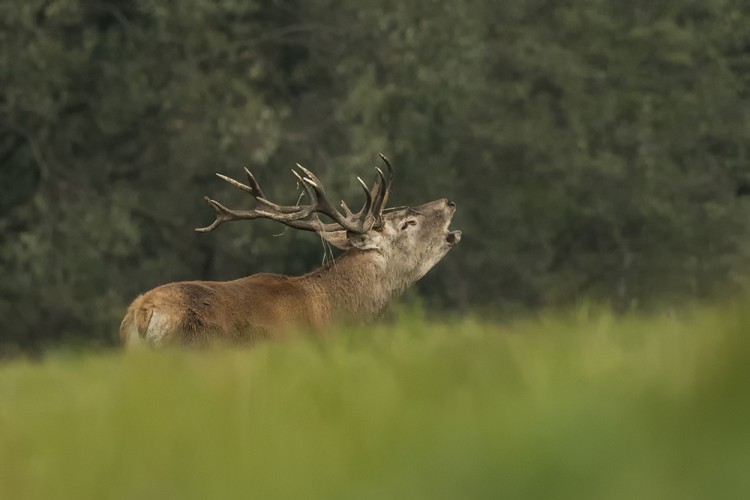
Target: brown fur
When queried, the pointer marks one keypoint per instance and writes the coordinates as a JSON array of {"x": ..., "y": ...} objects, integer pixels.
[{"x": 356, "y": 286}]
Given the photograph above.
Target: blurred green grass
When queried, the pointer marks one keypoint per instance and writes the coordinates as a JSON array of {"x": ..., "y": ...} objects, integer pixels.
[{"x": 578, "y": 405}]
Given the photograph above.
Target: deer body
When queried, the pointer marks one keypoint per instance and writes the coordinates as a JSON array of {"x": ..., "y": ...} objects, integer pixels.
[{"x": 385, "y": 254}]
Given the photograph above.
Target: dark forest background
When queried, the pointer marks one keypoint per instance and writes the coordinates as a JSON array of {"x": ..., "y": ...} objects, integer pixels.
[{"x": 597, "y": 149}]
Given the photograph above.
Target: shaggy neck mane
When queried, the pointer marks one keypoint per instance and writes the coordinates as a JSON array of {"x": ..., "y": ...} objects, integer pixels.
[{"x": 358, "y": 283}]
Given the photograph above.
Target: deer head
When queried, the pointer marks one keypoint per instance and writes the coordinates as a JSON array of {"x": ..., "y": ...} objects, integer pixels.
[{"x": 409, "y": 241}]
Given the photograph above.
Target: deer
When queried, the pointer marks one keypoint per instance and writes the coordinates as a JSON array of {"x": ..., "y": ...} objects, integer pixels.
[{"x": 385, "y": 251}]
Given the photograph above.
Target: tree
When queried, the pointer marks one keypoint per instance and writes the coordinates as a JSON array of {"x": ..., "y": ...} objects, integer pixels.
[{"x": 594, "y": 148}]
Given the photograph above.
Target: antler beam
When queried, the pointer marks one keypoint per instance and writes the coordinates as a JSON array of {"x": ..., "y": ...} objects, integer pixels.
[{"x": 305, "y": 217}]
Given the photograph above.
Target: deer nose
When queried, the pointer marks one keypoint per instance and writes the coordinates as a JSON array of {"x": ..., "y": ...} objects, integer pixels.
[{"x": 451, "y": 204}]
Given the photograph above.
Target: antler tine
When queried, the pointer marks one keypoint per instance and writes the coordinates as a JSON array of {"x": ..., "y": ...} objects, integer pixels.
[
  {"x": 346, "y": 208},
  {"x": 310, "y": 192},
  {"x": 236, "y": 184},
  {"x": 366, "y": 211},
  {"x": 382, "y": 185},
  {"x": 384, "y": 188},
  {"x": 258, "y": 192},
  {"x": 220, "y": 210},
  {"x": 313, "y": 178},
  {"x": 388, "y": 164}
]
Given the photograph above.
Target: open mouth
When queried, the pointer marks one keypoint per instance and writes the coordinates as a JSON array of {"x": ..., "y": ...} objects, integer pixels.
[{"x": 453, "y": 237}]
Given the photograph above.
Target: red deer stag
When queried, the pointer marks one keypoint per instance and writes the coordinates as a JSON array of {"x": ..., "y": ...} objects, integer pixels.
[{"x": 386, "y": 251}]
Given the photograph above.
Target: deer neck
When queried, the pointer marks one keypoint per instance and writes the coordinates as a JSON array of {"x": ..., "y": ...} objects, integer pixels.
[{"x": 357, "y": 283}]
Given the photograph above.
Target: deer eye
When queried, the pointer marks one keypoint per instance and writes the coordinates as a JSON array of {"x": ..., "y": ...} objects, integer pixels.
[{"x": 408, "y": 223}]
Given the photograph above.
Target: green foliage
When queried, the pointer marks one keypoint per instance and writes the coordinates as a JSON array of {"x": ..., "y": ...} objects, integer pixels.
[
  {"x": 584, "y": 405},
  {"x": 594, "y": 147}
]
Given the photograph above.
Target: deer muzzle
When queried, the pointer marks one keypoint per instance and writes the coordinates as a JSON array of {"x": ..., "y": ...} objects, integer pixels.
[{"x": 453, "y": 237}]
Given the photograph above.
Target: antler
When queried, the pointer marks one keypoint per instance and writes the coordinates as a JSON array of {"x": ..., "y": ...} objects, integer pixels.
[{"x": 305, "y": 217}]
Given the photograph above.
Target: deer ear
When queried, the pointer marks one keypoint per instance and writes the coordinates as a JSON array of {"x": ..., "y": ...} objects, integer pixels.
[
  {"x": 337, "y": 239},
  {"x": 365, "y": 241},
  {"x": 345, "y": 240}
]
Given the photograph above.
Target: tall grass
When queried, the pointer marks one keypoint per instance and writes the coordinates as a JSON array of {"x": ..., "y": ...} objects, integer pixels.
[{"x": 579, "y": 406}]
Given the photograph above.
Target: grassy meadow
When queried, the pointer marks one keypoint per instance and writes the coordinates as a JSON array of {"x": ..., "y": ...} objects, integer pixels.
[{"x": 583, "y": 405}]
